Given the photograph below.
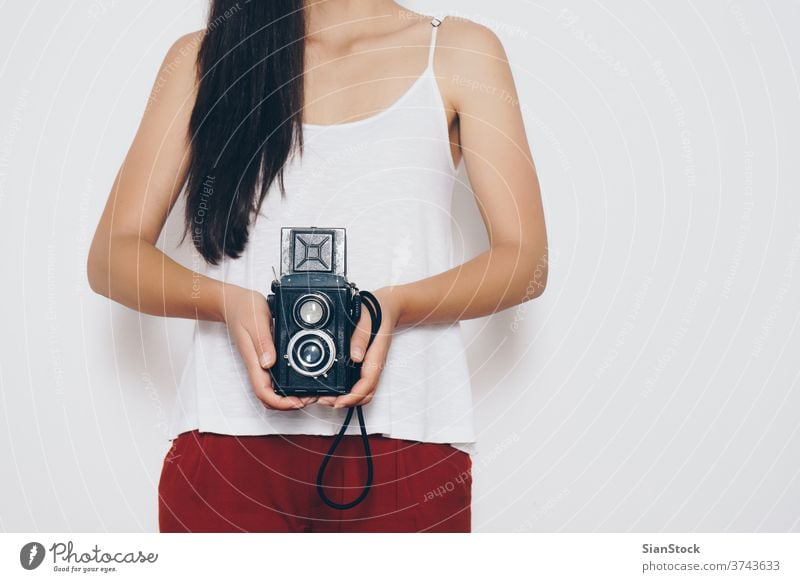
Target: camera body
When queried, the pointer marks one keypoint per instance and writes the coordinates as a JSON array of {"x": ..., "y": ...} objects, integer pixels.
[{"x": 314, "y": 310}]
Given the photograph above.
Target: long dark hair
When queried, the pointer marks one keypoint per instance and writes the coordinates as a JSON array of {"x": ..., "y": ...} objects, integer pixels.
[{"x": 247, "y": 118}]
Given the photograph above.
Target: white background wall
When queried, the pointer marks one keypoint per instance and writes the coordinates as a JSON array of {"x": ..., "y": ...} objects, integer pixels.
[{"x": 653, "y": 387}]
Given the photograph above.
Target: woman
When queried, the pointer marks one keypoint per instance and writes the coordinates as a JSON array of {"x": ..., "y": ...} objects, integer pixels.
[{"x": 327, "y": 113}]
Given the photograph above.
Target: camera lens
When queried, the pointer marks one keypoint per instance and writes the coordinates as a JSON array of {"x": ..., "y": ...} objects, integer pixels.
[
  {"x": 311, "y": 352},
  {"x": 311, "y": 310}
]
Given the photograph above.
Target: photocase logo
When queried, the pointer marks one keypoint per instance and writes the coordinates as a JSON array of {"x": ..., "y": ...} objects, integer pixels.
[
  {"x": 31, "y": 555},
  {"x": 66, "y": 558}
]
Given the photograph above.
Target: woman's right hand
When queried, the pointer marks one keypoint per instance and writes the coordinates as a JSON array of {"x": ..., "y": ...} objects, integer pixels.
[{"x": 248, "y": 318}]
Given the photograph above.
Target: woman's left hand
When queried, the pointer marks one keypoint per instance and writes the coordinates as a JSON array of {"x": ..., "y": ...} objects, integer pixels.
[{"x": 375, "y": 358}]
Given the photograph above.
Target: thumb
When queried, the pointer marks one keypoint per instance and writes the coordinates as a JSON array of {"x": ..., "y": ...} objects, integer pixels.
[
  {"x": 360, "y": 338},
  {"x": 262, "y": 340}
]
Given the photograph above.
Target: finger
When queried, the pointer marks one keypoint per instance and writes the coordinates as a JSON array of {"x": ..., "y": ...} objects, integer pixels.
[
  {"x": 370, "y": 374},
  {"x": 260, "y": 378},
  {"x": 278, "y": 402},
  {"x": 360, "y": 337},
  {"x": 366, "y": 385},
  {"x": 260, "y": 332},
  {"x": 327, "y": 400},
  {"x": 361, "y": 390}
]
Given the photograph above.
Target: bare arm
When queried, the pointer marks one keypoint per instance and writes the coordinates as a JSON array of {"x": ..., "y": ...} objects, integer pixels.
[
  {"x": 477, "y": 79},
  {"x": 124, "y": 263},
  {"x": 473, "y": 66}
]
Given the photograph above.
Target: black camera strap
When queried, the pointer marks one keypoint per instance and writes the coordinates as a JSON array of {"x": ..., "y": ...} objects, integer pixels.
[{"x": 374, "y": 308}]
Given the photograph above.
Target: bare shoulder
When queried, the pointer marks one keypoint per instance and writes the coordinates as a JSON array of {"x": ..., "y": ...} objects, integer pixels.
[
  {"x": 187, "y": 45},
  {"x": 176, "y": 81},
  {"x": 469, "y": 36},
  {"x": 469, "y": 55},
  {"x": 181, "y": 57}
]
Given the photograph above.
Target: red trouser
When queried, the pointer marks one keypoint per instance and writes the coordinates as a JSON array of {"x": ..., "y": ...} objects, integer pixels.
[{"x": 221, "y": 483}]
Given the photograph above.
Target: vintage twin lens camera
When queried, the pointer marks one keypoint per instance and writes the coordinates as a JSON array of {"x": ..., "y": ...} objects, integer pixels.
[{"x": 315, "y": 310}]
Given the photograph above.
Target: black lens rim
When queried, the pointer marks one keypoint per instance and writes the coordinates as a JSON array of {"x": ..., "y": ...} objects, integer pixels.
[
  {"x": 312, "y": 341},
  {"x": 328, "y": 353},
  {"x": 319, "y": 298}
]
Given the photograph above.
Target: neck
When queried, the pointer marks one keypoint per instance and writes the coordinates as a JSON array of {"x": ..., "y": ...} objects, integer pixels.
[{"x": 347, "y": 17}]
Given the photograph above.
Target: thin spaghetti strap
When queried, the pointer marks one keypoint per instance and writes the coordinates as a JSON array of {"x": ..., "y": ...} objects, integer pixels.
[{"x": 435, "y": 22}]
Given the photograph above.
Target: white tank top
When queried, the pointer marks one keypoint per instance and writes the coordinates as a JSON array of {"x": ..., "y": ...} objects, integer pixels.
[{"x": 388, "y": 180}]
